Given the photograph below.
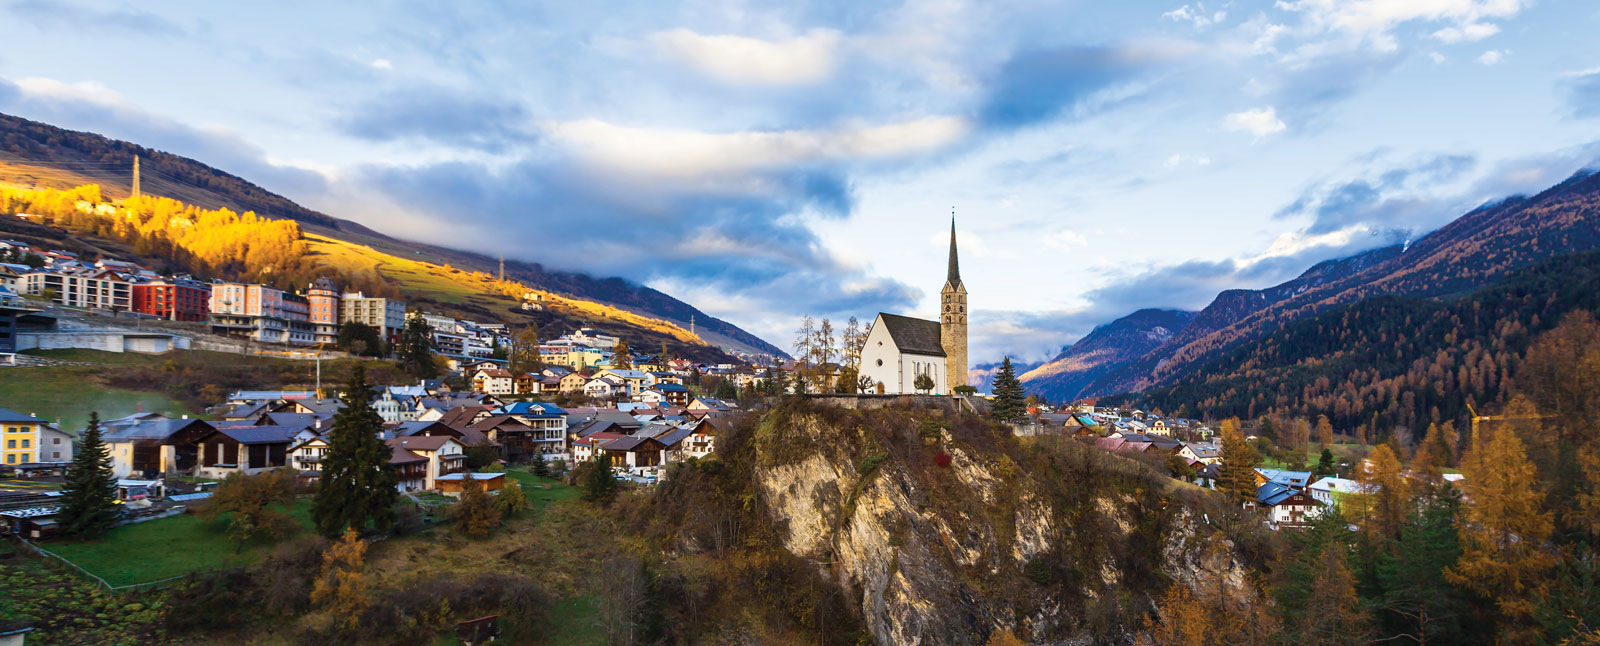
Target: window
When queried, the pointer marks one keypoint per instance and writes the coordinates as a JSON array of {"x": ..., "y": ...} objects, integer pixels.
[
  {"x": 11, "y": 444},
  {"x": 55, "y": 455},
  {"x": 24, "y": 443},
  {"x": 880, "y": 361}
]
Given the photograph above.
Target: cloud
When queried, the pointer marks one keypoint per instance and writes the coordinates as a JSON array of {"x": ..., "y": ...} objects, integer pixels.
[
  {"x": 381, "y": 64},
  {"x": 1066, "y": 240},
  {"x": 1196, "y": 16},
  {"x": 690, "y": 155},
  {"x": 95, "y": 108},
  {"x": 1037, "y": 85},
  {"x": 1583, "y": 93},
  {"x": 739, "y": 59},
  {"x": 1372, "y": 22},
  {"x": 1437, "y": 58},
  {"x": 1491, "y": 57},
  {"x": 440, "y": 115},
  {"x": 65, "y": 15},
  {"x": 1259, "y": 122},
  {"x": 1395, "y": 197}
]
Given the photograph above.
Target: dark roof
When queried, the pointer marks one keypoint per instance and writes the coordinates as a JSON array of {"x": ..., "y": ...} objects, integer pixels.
[
  {"x": 630, "y": 443},
  {"x": 261, "y": 434},
  {"x": 914, "y": 336},
  {"x": 407, "y": 429},
  {"x": 1273, "y": 493},
  {"x": 955, "y": 267},
  {"x": 158, "y": 429},
  {"x": 461, "y": 416},
  {"x": 585, "y": 429},
  {"x": 302, "y": 420},
  {"x": 16, "y": 417},
  {"x": 402, "y": 456}
]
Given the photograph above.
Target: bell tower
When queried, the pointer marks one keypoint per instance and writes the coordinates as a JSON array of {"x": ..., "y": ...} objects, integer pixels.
[{"x": 953, "y": 319}]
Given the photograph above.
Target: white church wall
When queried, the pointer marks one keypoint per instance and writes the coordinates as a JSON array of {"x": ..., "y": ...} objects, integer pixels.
[{"x": 878, "y": 358}]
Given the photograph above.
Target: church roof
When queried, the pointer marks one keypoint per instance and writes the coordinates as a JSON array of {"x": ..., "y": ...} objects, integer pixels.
[
  {"x": 955, "y": 265},
  {"x": 913, "y": 336}
]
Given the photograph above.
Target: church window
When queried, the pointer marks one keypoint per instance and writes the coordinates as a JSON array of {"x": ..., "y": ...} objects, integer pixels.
[{"x": 880, "y": 361}]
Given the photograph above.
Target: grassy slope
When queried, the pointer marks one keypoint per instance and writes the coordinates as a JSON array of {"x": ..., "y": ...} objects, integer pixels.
[{"x": 167, "y": 547}]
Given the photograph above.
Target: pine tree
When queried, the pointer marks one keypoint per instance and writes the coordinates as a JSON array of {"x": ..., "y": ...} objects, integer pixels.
[
  {"x": 598, "y": 484},
  {"x": 357, "y": 485},
  {"x": 1008, "y": 394},
  {"x": 1325, "y": 464},
  {"x": 88, "y": 501},
  {"x": 416, "y": 349},
  {"x": 1414, "y": 599},
  {"x": 1335, "y": 616},
  {"x": 540, "y": 467}
]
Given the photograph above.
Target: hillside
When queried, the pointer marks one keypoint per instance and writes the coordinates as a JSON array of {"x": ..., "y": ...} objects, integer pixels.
[
  {"x": 1476, "y": 249},
  {"x": 34, "y": 154},
  {"x": 1103, "y": 350},
  {"x": 1392, "y": 361}
]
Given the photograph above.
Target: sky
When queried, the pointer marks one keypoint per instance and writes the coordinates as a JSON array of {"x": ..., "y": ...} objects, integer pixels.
[{"x": 766, "y": 161}]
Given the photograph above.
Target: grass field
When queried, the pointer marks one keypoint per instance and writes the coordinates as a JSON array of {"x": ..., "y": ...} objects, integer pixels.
[
  {"x": 69, "y": 393},
  {"x": 168, "y": 547}
]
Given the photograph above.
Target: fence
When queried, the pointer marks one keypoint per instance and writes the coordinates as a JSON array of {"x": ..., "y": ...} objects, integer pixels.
[{"x": 132, "y": 587}]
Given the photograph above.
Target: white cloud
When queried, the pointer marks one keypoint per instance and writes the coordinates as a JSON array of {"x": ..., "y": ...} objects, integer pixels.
[
  {"x": 689, "y": 154},
  {"x": 1437, "y": 58},
  {"x": 1066, "y": 240},
  {"x": 1177, "y": 160},
  {"x": 1196, "y": 15},
  {"x": 739, "y": 59},
  {"x": 1259, "y": 122},
  {"x": 1373, "y": 21},
  {"x": 1467, "y": 33},
  {"x": 1291, "y": 243},
  {"x": 1491, "y": 57},
  {"x": 382, "y": 64},
  {"x": 86, "y": 91}
]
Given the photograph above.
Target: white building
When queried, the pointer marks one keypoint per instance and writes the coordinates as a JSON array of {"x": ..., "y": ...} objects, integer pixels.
[{"x": 901, "y": 348}]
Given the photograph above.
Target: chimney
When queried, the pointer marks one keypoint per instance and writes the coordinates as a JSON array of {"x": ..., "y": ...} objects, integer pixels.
[{"x": 186, "y": 416}]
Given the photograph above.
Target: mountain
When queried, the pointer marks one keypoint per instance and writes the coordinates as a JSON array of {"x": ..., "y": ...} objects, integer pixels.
[
  {"x": 1391, "y": 361},
  {"x": 38, "y": 154},
  {"x": 1475, "y": 250},
  {"x": 1103, "y": 350}
]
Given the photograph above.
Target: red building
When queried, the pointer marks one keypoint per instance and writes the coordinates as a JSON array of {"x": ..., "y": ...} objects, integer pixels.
[{"x": 177, "y": 300}]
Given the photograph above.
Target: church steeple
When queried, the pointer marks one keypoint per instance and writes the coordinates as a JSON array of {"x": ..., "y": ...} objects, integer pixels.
[
  {"x": 955, "y": 265},
  {"x": 953, "y": 317}
]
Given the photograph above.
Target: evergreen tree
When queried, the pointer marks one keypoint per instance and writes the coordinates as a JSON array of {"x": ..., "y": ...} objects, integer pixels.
[
  {"x": 1325, "y": 464},
  {"x": 1008, "y": 394},
  {"x": 357, "y": 485},
  {"x": 416, "y": 349},
  {"x": 360, "y": 339},
  {"x": 524, "y": 353},
  {"x": 1414, "y": 600},
  {"x": 598, "y": 484},
  {"x": 88, "y": 501},
  {"x": 540, "y": 467}
]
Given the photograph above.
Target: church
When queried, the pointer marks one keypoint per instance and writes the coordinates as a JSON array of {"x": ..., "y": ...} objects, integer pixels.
[{"x": 899, "y": 349}]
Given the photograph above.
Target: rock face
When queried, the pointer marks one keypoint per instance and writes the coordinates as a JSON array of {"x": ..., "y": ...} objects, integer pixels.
[{"x": 949, "y": 554}]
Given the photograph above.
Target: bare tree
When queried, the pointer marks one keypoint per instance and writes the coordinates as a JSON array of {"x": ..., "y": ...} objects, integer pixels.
[{"x": 624, "y": 597}]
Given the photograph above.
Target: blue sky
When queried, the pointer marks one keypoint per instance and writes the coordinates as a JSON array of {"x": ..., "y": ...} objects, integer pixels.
[{"x": 765, "y": 161}]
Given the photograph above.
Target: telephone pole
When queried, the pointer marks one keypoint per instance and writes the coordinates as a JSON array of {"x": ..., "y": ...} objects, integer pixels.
[{"x": 136, "y": 176}]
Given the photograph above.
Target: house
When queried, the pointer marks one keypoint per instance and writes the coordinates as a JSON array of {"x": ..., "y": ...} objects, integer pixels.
[
  {"x": 671, "y": 393},
  {"x": 22, "y": 436},
  {"x": 1204, "y": 453},
  {"x": 573, "y": 382},
  {"x": 1297, "y": 480},
  {"x": 148, "y": 446},
  {"x": 454, "y": 484},
  {"x": 635, "y": 380},
  {"x": 55, "y": 445},
  {"x": 464, "y": 416},
  {"x": 445, "y": 455},
  {"x": 586, "y": 446},
  {"x": 711, "y": 404},
  {"x": 529, "y": 384},
  {"x": 1160, "y": 427},
  {"x": 1331, "y": 491},
  {"x": 604, "y": 387},
  {"x": 306, "y": 456},
  {"x": 244, "y": 449},
  {"x": 494, "y": 381},
  {"x": 1286, "y": 505},
  {"x": 546, "y": 428},
  {"x": 636, "y": 454},
  {"x": 667, "y": 378},
  {"x": 410, "y": 468},
  {"x": 702, "y": 438}
]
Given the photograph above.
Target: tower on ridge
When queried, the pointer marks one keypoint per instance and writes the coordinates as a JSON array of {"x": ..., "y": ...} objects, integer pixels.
[{"x": 953, "y": 317}]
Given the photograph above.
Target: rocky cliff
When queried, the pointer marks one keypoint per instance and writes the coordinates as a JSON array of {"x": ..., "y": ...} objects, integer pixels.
[{"x": 945, "y": 528}]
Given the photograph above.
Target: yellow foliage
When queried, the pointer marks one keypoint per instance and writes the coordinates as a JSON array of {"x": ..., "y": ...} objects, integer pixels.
[
  {"x": 1503, "y": 529},
  {"x": 341, "y": 590}
]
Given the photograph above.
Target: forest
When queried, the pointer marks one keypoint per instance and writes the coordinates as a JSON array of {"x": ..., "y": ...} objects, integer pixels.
[{"x": 1390, "y": 365}]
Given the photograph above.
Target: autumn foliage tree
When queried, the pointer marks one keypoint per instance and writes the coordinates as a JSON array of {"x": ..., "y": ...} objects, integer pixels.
[
  {"x": 1237, "y": 472},
  {"x": 340, "y": 589},
  {"x": 1504, "y": 529},
  {"x": 475, "y": 515}
]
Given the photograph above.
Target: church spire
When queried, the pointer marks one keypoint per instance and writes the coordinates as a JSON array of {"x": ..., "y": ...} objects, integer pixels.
[{"x": 955, "y": 266}]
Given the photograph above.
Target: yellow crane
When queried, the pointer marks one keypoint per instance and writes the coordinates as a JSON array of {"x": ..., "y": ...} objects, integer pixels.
[{"x": 1481, "y": 418}]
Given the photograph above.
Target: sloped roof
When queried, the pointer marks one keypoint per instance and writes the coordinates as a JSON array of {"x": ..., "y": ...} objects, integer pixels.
[
  {"x": 261, "y": 434},
  {"x": 402, "y": 456},
  {"x": 157, "y": 429},
  {"x": 1272, "y": 493},
  {"x": 914, "y": 336},
  {"x": 15, "y": 417},
  {"x": 421, "y": 442},
  {"x": 1296, "y": 479}
]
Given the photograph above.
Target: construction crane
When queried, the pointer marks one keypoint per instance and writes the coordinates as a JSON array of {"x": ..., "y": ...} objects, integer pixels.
[{"x": 1501, "y": 418}]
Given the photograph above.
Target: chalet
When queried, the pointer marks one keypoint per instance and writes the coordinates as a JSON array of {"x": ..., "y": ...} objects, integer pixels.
[
  {"x": 148, "y": 446},
  {"x": 674, "y": 394},
  {"x": 529, "y": 384},
  {"x": 1159, "y": 427},
  {"x": 650, "y": 396},
  {"x": 494, "y": 381},
  {"x": 585, "y": 447},
  {"x": 1203, "y": 453},
  {"x": 306, "y": 456},
  {"x": 667, "y": 378},
  {"x": 604, "y": 387},
  {"x": 634, "y": 380},
  {"x": 411, "y": 469},
  {"x": 637, "y": 455},
  {"x": 546, "y": 426},
  {"x": 464, "y": 416},
  {"x": 702, "y": 438},
  {"x": 445, "y": 455},
  {"x": 1287, "y": 506},
  {"x": 1331, "y": 491},
  {"x": 454, "y": 484},
  {"x": 711, "y": 404},
  {"x": 244, "y": 449}
]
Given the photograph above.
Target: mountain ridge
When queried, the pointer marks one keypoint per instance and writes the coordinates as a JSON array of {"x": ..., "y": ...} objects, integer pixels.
[{"x": 44, "y": 154}]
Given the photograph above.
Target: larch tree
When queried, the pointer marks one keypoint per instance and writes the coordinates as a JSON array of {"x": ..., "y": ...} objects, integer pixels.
[
  {"x": 1383, "y": 505},
  {"x": 1504, "y": 527},
  {"x": 525, "y": 351},
  {"x": 475, "y": 515},
  {"x": 1324, "y": 431},
  {"x": 357, "y": 486},
  {"x": 621, "y": 356},
  {"x": 1237, "y": 471},
  {"x": 340, "y": 589},
  {"x": 89, "y": 499}
]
